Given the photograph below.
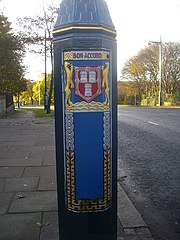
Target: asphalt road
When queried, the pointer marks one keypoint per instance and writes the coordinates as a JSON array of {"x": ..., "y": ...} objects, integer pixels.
[{"x": 149, "y": 166}]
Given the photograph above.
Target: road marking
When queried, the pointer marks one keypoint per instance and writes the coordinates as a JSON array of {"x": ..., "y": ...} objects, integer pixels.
[{"x": 154, "y": 123}]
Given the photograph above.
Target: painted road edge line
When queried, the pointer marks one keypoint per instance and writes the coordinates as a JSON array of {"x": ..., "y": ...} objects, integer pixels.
[{"x": 153, "y": 123}]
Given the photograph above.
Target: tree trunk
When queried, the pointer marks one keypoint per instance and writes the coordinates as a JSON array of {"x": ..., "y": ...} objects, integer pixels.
[
  {"x": 52, "y": 83},
  {"x": 50, "y": 94},
  {"x": 18, "y": 101}
]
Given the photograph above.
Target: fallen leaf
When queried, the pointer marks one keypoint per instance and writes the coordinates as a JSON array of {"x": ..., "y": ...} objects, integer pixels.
[
  {"x": 39, "y": 225},
  {"x": 21, "y": 196}
]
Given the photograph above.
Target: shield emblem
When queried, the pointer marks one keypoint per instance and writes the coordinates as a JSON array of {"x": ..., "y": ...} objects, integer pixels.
[{"x": 88, "y": 82}]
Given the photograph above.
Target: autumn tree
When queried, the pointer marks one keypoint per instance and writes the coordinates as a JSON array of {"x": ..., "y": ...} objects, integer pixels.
[
  {"x": 127, "y": 93},
  {"x": 38, "y": 94},
  {"x": 11, "y": 56},
  {"x": 171, "y": 70},
  {"x": 19, "y": 88},
  {"x": 37, "y": 35},
  {"x": 29, "y": 92},
  {"x": 143, "y": 70}
]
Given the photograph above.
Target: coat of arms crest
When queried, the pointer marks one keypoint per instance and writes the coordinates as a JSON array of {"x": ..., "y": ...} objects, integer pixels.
[{"x": 88, "y": 82}]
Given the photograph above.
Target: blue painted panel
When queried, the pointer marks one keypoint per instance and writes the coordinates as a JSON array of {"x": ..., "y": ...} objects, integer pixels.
[
  {"x": 86, "y": 84},
  {"x": 88, "y": 129}
]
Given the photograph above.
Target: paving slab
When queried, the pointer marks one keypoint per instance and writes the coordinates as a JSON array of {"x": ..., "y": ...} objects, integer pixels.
[
  {"x": 10, "y": 172},
  {"x": 2, "y": 181},
  {"x": 39, "y": 171},
  {"x": 5, "y": 201},
  {"x": 21, "y": 184},
  {"x": 37, "y": 154},
  {"x": 47, "y": 183},
  {"x": 29, "y": 132},
  {"x": 20, "y": 226},
  {"x": 127, "y": 213},
  {"x": 47, "y": 176},
  {"x": 49, "y": 158},
  {"x": 49, "y": 142},
  {"x": 51, "y": 148},
  {"x": 26, "y": 148},
  {"x": 34, "y": 202},
  {"x": 48, "y": 133},
  {"x": 13, "y": 153},
  {"x": 21, "y": 162},
  {"x": 17, "y": 143},
  {"x": 50, "y": 230},
  {"x": 119, "y": 228},
  {"x": 19, "y": 138}
]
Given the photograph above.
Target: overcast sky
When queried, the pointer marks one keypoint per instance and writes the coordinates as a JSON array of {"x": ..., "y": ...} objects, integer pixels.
[{"x": 136, "y": 22}]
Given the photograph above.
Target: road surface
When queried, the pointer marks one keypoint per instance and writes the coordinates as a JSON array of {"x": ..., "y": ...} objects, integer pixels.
[{"x": 149, "y": 166}]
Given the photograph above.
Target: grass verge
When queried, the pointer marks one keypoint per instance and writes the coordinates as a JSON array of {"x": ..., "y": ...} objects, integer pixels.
[{"x": 39, "y": 112}]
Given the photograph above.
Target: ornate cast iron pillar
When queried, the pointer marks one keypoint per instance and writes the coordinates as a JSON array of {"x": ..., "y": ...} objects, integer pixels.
[{"x": 85, "y": 78}]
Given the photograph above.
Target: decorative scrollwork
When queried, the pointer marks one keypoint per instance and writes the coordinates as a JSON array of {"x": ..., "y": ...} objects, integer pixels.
[
  {"x": 68, "y": 56},
  {"x": 69, "y": 131},
  {"x": 107, "y": 130},
  {"x": 84, "y": 106}
]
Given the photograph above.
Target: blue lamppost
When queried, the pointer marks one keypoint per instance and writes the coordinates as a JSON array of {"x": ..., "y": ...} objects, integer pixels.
[{"x": 85, "y": 80}]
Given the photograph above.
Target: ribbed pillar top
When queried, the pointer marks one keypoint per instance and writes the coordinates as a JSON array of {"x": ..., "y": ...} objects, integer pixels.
[{"x": 92, "y": 12}]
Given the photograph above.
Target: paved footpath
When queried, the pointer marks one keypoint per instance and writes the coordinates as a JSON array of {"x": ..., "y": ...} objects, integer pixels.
[{"x": 28, "y": 200}]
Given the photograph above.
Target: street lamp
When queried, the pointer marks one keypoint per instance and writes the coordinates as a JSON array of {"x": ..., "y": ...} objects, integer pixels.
[
  {"x": 160, "y": 69},
  {"x": 39, "y": 92},
  {"x": 45, "y": 77}
]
